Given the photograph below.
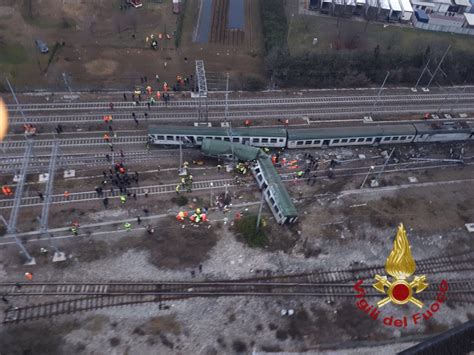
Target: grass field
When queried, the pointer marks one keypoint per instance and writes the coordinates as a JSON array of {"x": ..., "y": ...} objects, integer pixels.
[{"x": 348, "y": 34}]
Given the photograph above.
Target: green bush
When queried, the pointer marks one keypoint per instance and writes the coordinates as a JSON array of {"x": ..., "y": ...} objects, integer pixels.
[{"x": 246, "y": 226}]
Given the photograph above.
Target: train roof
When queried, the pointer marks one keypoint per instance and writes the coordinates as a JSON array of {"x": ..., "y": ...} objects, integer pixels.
[
  {"x": 282, "y": 198},
  {"x": 444, "y": 127},
  {"x": 212, "y": 147},
  {"x": 354, "y": 131},
  {"x": 217, "y": 131}
]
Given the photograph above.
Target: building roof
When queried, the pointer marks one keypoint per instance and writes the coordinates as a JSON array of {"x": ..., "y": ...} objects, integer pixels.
[
  {"x": 395, "y": 5},
  {"x": 356, "y": 131},
  {"x": 385, "y": 4},
  {"x": 469, "y": 19},
  {"x": 212, "y": 147},
  {"x": 282, "y": 198},
  {"x": 462, "y": 2},
  {"x": 406, "y": 5}
]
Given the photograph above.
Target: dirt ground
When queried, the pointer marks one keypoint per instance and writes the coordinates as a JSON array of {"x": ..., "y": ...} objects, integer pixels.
[
  {"x": 340, "y": 225},
  {"x": 108, "y": 49}
]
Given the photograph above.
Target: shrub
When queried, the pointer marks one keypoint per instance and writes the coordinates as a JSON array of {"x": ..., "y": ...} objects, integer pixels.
[{"x": 247, "y": 227}]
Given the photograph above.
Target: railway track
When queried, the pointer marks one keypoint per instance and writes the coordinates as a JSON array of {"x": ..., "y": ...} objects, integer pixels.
[
  {"x": 40, "y": 163},
  {"x": 325, "y": 113},
  {"x": 74, "y": 142},
  {"x": 96, "y": 296},
  {"x": 198, "y": 185},
  {"x": 328, "y": 100}
]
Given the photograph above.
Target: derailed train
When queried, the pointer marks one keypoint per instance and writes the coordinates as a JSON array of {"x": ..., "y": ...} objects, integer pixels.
[{"x": 315, "y": 137}]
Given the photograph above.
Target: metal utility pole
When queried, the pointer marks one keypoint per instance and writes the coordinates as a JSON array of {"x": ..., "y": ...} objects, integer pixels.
[
  {"x": 437, "y": 68},
  {"x": 259, "y": 216},
  {"x": 16, "y": 100},
  {"x": 457, "y": 98},
  {"x": 210, "y": 197},
  {"x": 371, "y": 169},
  {"x": 58, "y": 255},
  {"x": 289, "y": 31},
  {"x": 11, "y": 228},
  {"x": 383, "y": 168},
  {"x": 66, "y": 82},
  {"x": 378, "y": 95},
  {"x": 421, "y": 75},
  {"x": 226, "y": 98},
  {"x": 201, "y": 83}
]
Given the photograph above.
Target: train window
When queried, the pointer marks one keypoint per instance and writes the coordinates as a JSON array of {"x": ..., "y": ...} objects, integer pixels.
[
  {"x": 352, "y": 140},
  {"x": 360, "y": 140},
  {"x": 264, "y": 140},
  {"x": 170, "y": 138},
  {"x": 273, "y": 140},
  {"x": 199, "y": 139},
  {"x": 344, "y": 140},
  {"x": 268, "y": 193},
  {"x": 272, "y": 200},
  {"x": 227, "y": 139},
  {"x": 209, "y": 138},
  {"x": 255, "y": 140},
  {"x": 281, "y": 140},
  {"x": 395, "y": 138},
  {"x": 299, "y": 143},
  {"x": 386, "y": 138},
  {"x": 335, "y": 141},
  {"x": 277, "y": 210},
  {"x": 410, "y": 137},
  {"x": 161, "y": 138},
  {"x": 403, "y": 138},
  {"x": 308, "y": 142},
  {"x": 368, "y": 139},
  {"x": 236, "y": 140},
  {"x": 317, "y": 142}
]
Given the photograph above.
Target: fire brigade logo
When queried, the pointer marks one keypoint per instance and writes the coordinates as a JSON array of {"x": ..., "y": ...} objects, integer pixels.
[{"x": 400, "y": 265}]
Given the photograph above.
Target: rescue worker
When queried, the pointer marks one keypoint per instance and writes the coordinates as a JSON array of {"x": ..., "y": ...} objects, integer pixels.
[
  {"x": 123, "y": 199},
  {"x": 247, "y": 123},
  {"x": 219, "y": 167},
  {"x": 105, "y": 201},
  {"x": 177, "y": 189},
  {"x": 300, "y": 174},
  {"x": 7, "y": 191},
  {"x": 74, "y": 230},
  {"x": 40, "y": 195},
  {"x": 139, "y": 220},
  {"x": 44, "y": 251},
  {"x": 127, "y": 226},
  {"x": 66, "y": 194},
  {"x": 29, "y": 276},
  {"x": 106, "y": 137}
]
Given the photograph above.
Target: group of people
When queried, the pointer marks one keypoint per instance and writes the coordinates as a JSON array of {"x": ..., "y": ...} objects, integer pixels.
[{"x": 186, "y": 182}]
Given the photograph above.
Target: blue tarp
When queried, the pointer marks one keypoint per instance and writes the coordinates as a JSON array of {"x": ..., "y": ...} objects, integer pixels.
[
  {"x": 205, "y": 18},
  {"x": 236, "y": 14},
  {"x": 421, "y": 16}
]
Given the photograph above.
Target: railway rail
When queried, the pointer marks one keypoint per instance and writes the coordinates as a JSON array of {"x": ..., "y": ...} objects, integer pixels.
[
  {"x": 325, "y": 113},
  {"x": 96, "y": 296},
  {"x": 327, "y": 100},
  {"x": 205, "y": 185}
]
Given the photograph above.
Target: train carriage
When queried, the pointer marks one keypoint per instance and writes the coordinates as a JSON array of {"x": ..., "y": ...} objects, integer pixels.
[
  {"x": 443, "y": 131},
  {"x": 350, "y": 136},
  {"x": 193, "y": 136}
]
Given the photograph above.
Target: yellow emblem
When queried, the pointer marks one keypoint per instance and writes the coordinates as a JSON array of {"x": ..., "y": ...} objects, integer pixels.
[{"x": 400, "y": 265}]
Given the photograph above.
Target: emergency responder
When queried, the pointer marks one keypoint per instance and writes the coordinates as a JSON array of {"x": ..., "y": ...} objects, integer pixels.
[
  {"x": 127, "y": 226},
  {"x": 7, "y": 191},
  {"x": 123, "y": 199},
  {"x": 74, "y": 230}
]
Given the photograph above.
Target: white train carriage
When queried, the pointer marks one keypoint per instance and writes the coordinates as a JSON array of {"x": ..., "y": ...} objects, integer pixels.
[
  {"x": 443, "y": 131},
  {"x": 193, "y": 136},
  {"x": 350, "y": 136}
]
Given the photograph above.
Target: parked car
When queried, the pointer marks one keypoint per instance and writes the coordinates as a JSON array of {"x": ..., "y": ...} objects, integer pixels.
[{"x": 42, "y": 47}]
